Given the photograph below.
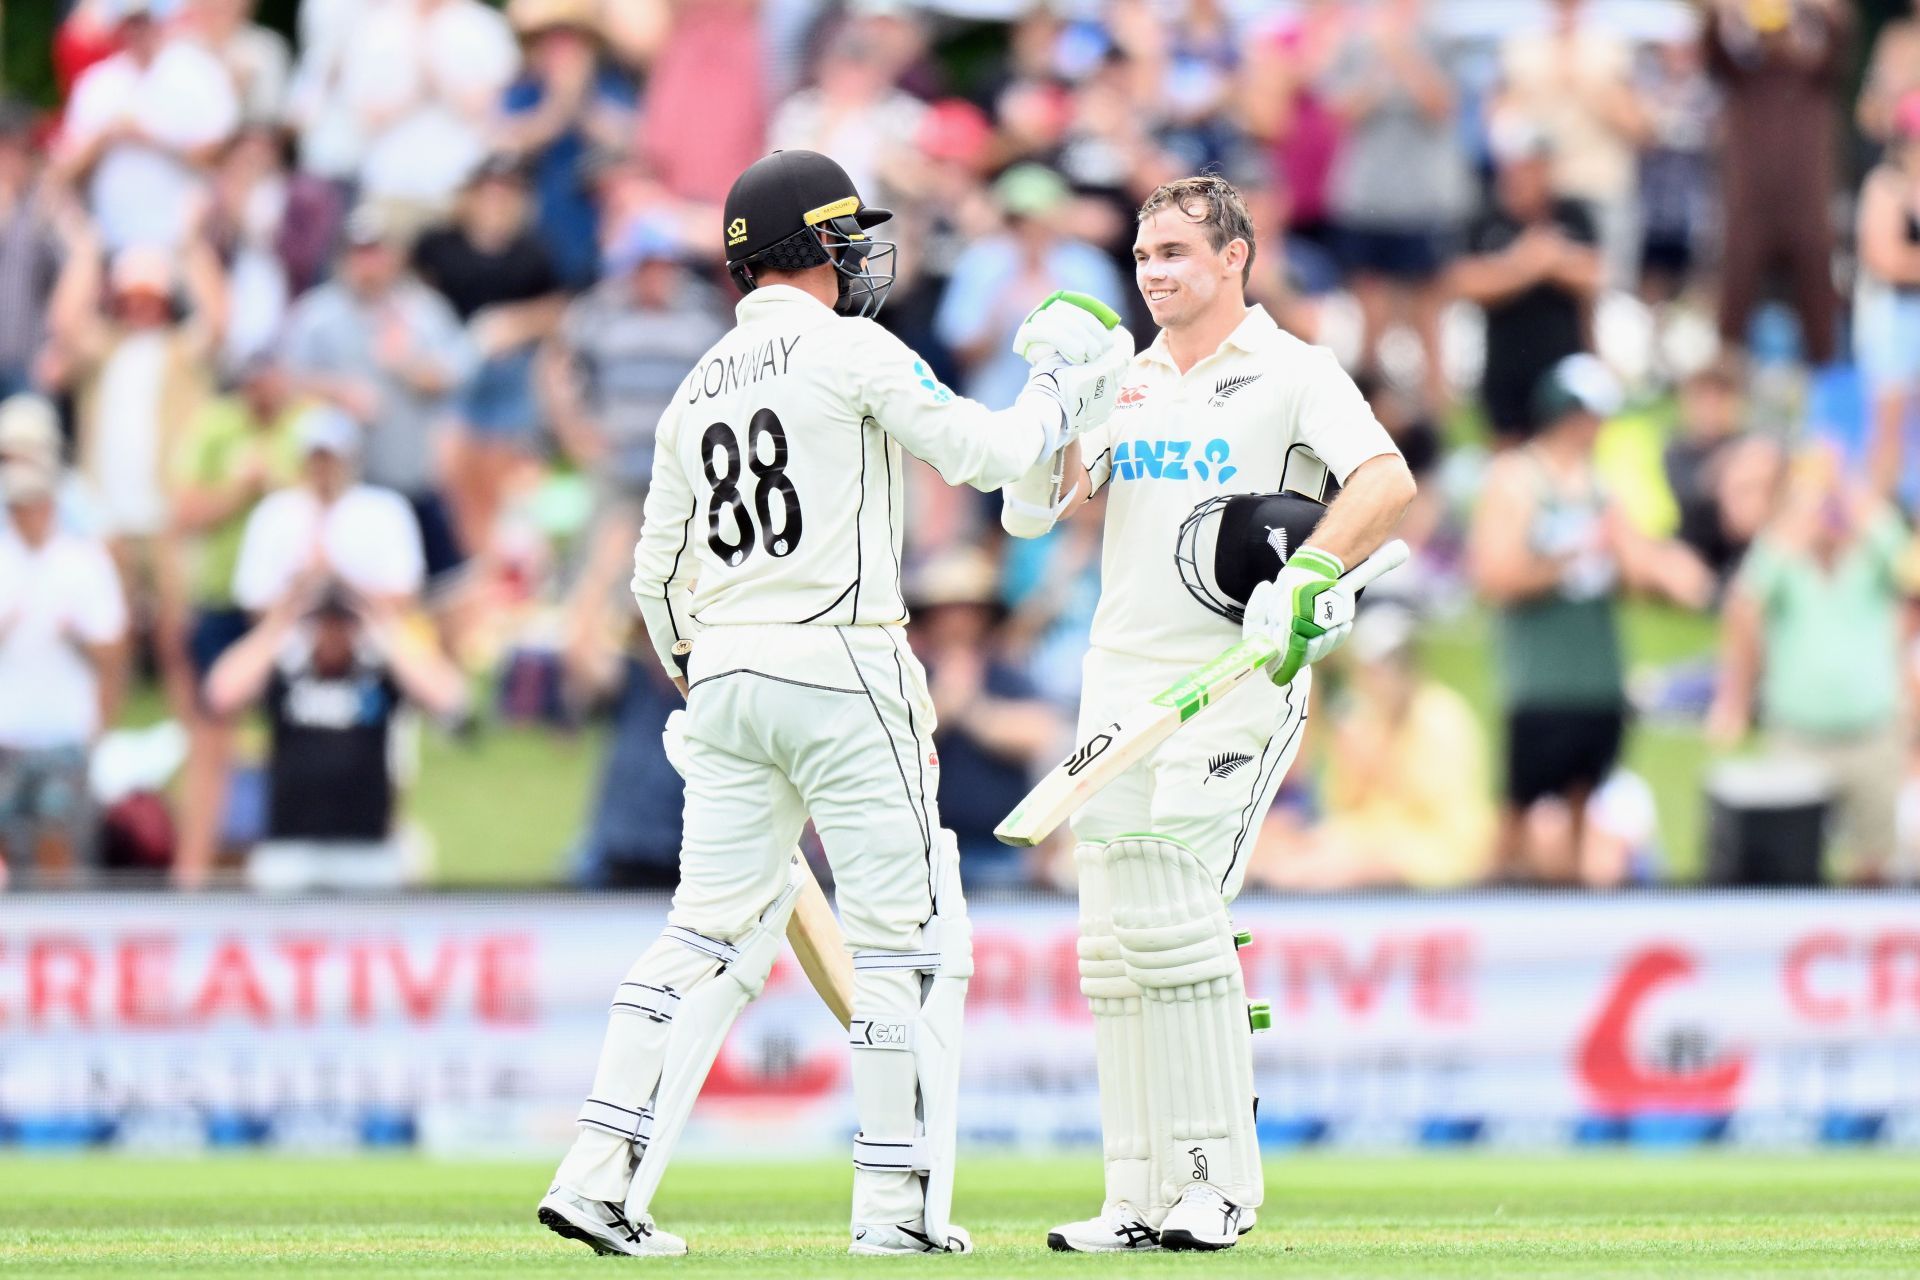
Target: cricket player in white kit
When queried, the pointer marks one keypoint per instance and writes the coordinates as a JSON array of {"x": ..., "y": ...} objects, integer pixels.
[
  {"x": 768, "y": 571},
  {"x": 1221, "y": 403}
]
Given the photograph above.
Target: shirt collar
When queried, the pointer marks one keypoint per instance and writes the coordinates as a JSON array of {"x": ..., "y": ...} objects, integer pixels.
[
  {"x": 1246, "y": 336},
  {"x": 774, "y": 295}
]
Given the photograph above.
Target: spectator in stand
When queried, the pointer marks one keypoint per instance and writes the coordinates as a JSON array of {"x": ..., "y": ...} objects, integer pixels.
[
  {"x": 139, "y": 373},
  {"x": 1551, "y": 553},
  {"x": 329, "y": 525},
  {"x": 993, "y": 729},
  {"x": 1405, "y": 789},
  {"x": 495, "y": 271},
  {"x": 29, "y": 250},
  {"x": 263, "y": 205},
  {"x": 611, "y": 370},
  {"x": 89, "y": 34},
  {"x": 1574, "y": 81},
  {"x": 332, "y": 670},
  {"x": 1893, "y": 71},
  {"x": 332, "y": 142},
  {"x": 239, "y": 449},
  {"x": 853, "y": 111},
  {"x": 63, "y": 623},
  {"x": 1723, "y": 478},
  {"x": 1886, "y": 316},
  {"x": 1813, "y": 633},
  {"x": 424, "y": 79},
  {"x": 142, "y": 128},
  {"x": 1280, "y": 98},
  {"x": 996, "y": 281},
  {"x": 1682, "y": 111},
  {"x": 390, "y": 352},
  {"x": 1781, "y": 67},
  {"x": 1400, "y": 186},
  {"x": 256, "y": 57},
  {"x": 30, "y": 432},
  {"x": 569, "y": 99},
  {"x": 1531, "y": 265},
  {"x": 697, "y": 140}
]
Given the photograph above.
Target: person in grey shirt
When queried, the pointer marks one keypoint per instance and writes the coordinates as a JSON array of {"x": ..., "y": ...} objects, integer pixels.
[
  {"x": 390, "y": 351},
  {"x": 1400, "y": 187}
]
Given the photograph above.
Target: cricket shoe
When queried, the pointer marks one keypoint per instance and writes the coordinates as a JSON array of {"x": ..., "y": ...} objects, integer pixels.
[
  {"x": 1202, "y": 1218},
  {"x": 1119, "y": 1228},
  {"x": 907, "y": 1237},
  {"x": 604, "y": 1227}
]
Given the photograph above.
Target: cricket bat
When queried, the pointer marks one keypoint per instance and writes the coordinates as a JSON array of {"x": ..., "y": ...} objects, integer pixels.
[
  {"x": 814, "y": 935},
  {"x": 1113, "y": 750}
]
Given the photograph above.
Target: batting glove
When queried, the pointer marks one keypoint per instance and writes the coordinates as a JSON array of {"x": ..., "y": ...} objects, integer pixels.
[
  {"x": 1073, "y": 327},
  {"x": 1305, "y": 611}
]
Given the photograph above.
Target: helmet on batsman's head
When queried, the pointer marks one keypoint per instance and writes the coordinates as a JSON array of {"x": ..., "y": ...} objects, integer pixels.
[
  {"x": 1231, "y": 544},
  {"x": 798, "y": 209}
]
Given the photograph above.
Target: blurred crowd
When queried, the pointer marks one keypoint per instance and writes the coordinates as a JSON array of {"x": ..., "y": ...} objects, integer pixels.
[{"x": 331, "y": 358}]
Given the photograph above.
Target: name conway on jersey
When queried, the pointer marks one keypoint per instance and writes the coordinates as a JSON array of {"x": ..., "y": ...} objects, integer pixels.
[{"x": 777, "y": 489}]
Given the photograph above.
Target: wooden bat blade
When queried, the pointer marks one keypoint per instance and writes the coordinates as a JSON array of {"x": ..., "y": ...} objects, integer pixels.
[{"x": 817, "y": 944}]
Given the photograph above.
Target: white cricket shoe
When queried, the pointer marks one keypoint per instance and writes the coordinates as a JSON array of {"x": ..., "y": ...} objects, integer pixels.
[
  {"x": 907, "y": 1237},
  {"x": 604, "y": 1227},
  {"x": 1118, "y": 1228},
  {"x": 1202, "y": 1218}
]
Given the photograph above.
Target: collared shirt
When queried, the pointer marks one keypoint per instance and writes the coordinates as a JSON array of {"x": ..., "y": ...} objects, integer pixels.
[
  {"x": 1239, "y": 421},
  {"x": 777, "y": 481}
]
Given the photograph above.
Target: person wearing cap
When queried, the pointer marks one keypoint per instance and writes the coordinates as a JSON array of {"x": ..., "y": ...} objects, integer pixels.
[
  {"x": 568, "y": 100},
  {"x": 241, "y": 447},
  {"x": 500, "y": 280},
  {"x": 1532, "y": 266},
  {"x": 329, "y": 526},
  {"x": 996, "y": 281},
  {"x": 1552, "y": 553},
  {"x": 30, "y": 432},
  {"x": 775, "y": 516},
  {"x": 331, "y": 669},
  {"x": 1886, "y": 306},
  {"x": 141, "y": 127},
  {"x": 380, "y": 345},
  {"x": 63, "y": 625}
]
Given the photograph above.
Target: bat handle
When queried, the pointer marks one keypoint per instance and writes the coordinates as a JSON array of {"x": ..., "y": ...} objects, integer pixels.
[{"x": 1389, "y": 557}]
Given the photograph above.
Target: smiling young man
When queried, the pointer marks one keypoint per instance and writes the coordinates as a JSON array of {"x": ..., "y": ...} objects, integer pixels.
[{"x": 1222, "y": 404}]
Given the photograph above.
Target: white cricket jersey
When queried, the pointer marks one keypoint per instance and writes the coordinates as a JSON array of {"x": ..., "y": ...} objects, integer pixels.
[
  {"x": 1227, "y": 425},
  {"x": 777, "y": 485}
]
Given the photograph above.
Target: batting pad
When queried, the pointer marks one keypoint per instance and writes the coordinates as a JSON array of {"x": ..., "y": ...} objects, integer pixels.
[
  {"x": 1177, "y": 946},
  {"x": 1119, "y": 1038}
]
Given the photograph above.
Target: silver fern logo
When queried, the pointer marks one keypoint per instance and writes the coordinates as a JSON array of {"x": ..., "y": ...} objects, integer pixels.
[
  {"x": 1227, "y": 763},
  {"x": 1277, "y": 539},
  {"x": 1225, "y": 388}
]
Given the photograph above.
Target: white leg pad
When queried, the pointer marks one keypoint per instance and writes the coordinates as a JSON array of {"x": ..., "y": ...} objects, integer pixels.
[
  {"x": 1119, "y": 1038},
  {"x": 734, "y": 973},
  {"x": 909, "y": 1014},
  {"x": 1177, "y": 945}
]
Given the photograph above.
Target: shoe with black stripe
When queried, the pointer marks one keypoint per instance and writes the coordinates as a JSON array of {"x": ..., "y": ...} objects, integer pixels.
[
  {"x": 604, "y": 1227},
  {"x": 906, "y": 1237},
  {"x": 1119, "y": 1228},
  {"x": 1203, "y": 1219}
]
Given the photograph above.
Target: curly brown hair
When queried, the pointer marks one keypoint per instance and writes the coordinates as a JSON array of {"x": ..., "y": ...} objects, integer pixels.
[{"x": 1210, "y": 201}]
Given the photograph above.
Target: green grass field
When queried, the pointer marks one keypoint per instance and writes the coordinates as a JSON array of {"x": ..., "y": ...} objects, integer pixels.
[{"x": 1473, "y": 1215}]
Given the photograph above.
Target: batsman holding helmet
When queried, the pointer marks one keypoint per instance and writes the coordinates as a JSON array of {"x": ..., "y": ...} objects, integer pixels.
[
  {"x": 768, "y": 571},
  {"x": 1216, "y": 459}
]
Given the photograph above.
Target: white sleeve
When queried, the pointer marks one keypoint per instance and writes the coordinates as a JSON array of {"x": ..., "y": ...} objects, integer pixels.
[
  {"x": 402, "y": 571},
  {"x": 1332, "y": 418},
  {"x": 966, "y": 442},
  {"x": 101, "y": 611},
  {"x": 259, "y": 575},
  {"x": 664, "y": 559}
]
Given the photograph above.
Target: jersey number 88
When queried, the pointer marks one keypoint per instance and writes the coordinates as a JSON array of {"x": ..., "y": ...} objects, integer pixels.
[{"x": 720, "y": 456}]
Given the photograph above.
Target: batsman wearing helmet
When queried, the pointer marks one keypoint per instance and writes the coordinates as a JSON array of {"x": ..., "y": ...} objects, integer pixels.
[
  {"x": 768, "y": 572},
  {"x": 1215, "y": 461}
]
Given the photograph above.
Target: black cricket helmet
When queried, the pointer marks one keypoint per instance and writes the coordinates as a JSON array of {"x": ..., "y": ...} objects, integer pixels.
[
  {"x": 797, "y": 209},
  {"x": 1231, "y": 544}
]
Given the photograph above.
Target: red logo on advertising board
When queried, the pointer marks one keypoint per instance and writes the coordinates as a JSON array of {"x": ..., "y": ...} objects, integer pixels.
[{"x": 1617, "y": 1083}]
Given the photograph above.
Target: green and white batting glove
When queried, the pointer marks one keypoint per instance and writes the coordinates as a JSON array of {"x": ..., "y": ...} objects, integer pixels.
[
  {"x": 1305, "y": 611},
  {"x": 1073, "y": 327}
]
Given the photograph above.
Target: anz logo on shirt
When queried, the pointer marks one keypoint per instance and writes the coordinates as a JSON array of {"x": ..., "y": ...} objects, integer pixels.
[{"x": 1173, "y": 460}]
